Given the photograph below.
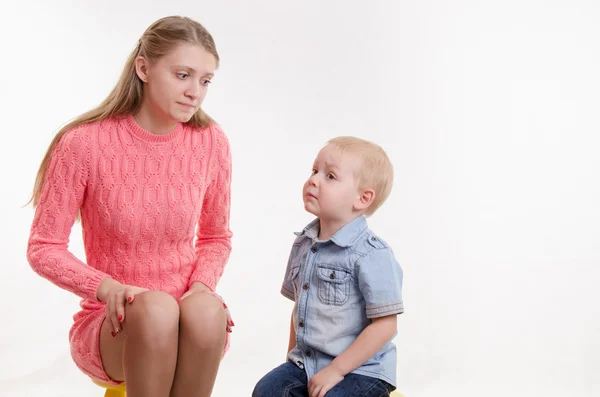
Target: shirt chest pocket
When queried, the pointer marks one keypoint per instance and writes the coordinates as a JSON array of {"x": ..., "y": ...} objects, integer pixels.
[{"x": 333, "y": 285}]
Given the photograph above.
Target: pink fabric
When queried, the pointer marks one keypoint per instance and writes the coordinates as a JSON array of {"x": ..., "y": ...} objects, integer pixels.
[{"x": 143, "y": 198}]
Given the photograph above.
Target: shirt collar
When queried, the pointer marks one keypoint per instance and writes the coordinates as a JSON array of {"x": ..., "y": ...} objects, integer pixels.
[{"x": 344, "y": 237}]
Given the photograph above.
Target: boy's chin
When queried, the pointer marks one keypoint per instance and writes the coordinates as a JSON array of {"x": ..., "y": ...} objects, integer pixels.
[{"x": 309, "y": 208}]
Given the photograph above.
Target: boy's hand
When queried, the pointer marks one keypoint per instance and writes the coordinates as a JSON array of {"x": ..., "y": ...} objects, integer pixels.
[{"x": 323, "y": 381}]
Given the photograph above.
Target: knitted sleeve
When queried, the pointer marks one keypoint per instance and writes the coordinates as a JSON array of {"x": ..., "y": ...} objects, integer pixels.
[
  {"x": 63, "y": 193},
  {"x": 213, "y": 238}
]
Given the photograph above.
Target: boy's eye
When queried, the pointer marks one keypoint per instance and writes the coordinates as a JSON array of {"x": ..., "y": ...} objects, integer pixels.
[
  {"x": 182, "y": 75},
  {"x": 314, "y": 171},
  {"x": 331, "y": 176},
  {"x": 206, "y": 82}
]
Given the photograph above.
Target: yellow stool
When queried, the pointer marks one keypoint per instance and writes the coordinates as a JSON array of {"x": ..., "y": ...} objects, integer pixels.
[{"x": 112, "y": 390}]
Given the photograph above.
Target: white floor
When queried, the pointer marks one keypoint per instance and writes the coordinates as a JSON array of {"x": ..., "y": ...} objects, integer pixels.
[{"x": 62, "y": 379}]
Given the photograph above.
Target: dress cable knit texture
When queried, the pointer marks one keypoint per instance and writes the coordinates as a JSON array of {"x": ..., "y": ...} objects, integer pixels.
[{"x": 143, "y": 198}]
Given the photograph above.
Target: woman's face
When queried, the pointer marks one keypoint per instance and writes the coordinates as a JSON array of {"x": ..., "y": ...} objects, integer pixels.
[{"x": 176, "y": 84}]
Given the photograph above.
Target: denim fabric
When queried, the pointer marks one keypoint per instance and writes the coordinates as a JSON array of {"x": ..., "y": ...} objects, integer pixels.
[
  {"x": 338, "y": 286},
  {"x": 288, "y": 380}
]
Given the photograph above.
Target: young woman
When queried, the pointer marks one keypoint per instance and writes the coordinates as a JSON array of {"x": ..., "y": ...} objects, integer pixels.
[{"x": 146, "y": 172}]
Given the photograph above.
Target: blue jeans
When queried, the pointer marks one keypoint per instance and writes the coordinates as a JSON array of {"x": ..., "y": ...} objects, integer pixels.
[{"x": 288, "y": 380}]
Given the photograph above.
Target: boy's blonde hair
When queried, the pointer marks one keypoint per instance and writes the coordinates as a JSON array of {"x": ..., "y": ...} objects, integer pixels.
[{"x": 376, "y": 171}]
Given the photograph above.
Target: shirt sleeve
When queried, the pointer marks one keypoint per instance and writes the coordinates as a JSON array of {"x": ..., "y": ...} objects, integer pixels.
[
  {"x": 213, "y": 236},
  {"x": 62, "y": 195},
  {"x": 291, "y": 272},
  {"x": 380, "y": 282}
]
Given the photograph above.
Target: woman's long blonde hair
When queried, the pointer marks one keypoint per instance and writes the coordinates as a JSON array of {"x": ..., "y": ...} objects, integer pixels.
[{"x": 126, "y": 97}]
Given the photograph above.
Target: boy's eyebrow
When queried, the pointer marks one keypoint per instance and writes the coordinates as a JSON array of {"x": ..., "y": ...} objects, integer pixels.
[{"x": 331, "y": 165}]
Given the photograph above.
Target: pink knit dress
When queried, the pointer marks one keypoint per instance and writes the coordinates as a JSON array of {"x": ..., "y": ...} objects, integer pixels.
[{"x": 143, "y": 199}]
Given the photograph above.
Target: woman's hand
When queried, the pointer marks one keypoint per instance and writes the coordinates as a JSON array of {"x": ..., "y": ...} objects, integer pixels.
[
  {"x": 115, "y": 294},
  {"x": 196, "y": 288},
  {"x": 199, "y": 288}
]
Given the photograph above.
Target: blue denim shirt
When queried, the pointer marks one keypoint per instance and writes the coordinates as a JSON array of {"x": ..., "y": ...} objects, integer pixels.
[{"x": 339, "y": 285}]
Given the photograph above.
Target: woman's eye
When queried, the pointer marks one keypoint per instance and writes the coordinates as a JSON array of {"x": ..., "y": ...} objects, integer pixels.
[{"x": 182, "y": 75}]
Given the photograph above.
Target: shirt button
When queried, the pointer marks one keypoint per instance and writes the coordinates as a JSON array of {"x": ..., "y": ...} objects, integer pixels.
[
  {"x": 305, "y": 287},
  {"x": 301, "y": 324},
  {"x": 314, "y": 249},
  {"x": 332, "y": 275},
  {"x": 373, "y": 239},
  {"x": 308, "y": 353}
]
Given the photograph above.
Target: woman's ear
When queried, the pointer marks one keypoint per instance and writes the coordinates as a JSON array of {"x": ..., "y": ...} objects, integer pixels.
[{"x": 141, "y": 68}]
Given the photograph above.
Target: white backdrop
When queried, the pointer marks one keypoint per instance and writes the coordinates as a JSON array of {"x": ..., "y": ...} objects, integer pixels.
[{"x": 488, "y": 110}]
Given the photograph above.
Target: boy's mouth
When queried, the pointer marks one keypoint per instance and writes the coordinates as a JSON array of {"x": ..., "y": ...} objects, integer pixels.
[{"x": 309, "y": 195}]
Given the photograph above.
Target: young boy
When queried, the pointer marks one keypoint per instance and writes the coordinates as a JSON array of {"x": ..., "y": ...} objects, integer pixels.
[{"x": 344, "y": 280}]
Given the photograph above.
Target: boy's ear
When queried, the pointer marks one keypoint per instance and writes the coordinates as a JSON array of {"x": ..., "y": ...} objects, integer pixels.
[{"x": 364, "y": 200}]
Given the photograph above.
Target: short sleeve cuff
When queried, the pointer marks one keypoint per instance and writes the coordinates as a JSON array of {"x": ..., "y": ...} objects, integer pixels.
[
  {"x": 287, "y": 293},
  {"x": 376, "y": 311}
]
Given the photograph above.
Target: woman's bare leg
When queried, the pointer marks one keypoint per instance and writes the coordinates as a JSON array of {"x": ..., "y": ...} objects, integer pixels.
[
  {"x": 202, "y": 323},
  {"x": 144, "y": 353}
]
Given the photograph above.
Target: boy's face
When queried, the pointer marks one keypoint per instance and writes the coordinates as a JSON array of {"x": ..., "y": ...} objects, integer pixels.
[{"x": 332, "y": 190}]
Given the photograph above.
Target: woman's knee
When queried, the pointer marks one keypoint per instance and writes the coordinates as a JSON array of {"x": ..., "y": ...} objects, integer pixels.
[
  {"x": 152, "y": 314},
  {"x": 203, "y": 317}
]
